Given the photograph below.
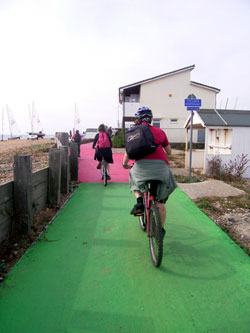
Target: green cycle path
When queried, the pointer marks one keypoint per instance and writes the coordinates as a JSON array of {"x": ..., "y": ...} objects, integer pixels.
[{"x": 91, "y": 271}]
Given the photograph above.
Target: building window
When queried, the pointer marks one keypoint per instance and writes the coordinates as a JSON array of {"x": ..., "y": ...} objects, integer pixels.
[
  {"x": 156, "y": 123},
  {"x": 201, "y": 136},
  {"x": 220, "y": 141},
  {"x": 174, "y": 121},
  {"x": 133, "y": 98}
]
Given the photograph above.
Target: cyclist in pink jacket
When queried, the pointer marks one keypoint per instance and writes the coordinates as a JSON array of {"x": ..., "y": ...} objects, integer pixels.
[{"x": 103, "y": 145}]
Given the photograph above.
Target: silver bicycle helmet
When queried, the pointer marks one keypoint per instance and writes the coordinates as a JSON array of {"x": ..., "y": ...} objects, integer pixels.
[{"x": 144, "y": 114}]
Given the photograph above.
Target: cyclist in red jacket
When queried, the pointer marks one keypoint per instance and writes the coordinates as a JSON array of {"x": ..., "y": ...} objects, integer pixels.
[{"x": 151, "y": 167}]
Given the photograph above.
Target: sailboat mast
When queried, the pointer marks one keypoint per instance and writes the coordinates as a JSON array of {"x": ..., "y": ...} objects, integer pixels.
[
  {"x": 9, "y": 120},
  {"x": 31, "y": 122},
  {"x": 32, "y": 115},
  {"x": 75, "y": 117},
  {"x": 2, "y": 121}
]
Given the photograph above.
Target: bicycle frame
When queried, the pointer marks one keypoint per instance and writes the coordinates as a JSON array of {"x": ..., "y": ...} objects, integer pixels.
[
  {"x": 104, "y": 171},
  {"x": 148, "y": 199}
]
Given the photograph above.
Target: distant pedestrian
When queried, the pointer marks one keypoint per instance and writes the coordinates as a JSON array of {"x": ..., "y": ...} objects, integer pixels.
[
  {"x": 70, "y": 134},
  {"x": 77, "y": 138},
  {"x": 110, "y": 131}
]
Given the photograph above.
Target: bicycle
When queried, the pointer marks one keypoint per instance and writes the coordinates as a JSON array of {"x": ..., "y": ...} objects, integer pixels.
[
  {"x": 150, "y": 221},
  {"x": 104, "y": 171}
]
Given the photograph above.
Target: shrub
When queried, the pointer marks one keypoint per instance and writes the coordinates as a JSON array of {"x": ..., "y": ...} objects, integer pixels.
[
  {"x": 204, "y": 204},
  {"x": 118, "y": 140},
  {"x": 237, "y": 167},
  {"x": 215, "y": 167},
  {"x": 231, "y": 171},
  {"x": 185, "y": 179}
]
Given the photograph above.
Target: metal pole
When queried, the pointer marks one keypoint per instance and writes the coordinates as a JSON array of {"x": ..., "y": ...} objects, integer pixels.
[
  {"x": 118, "y": 116},
  {"x": 190, "y": 147}
]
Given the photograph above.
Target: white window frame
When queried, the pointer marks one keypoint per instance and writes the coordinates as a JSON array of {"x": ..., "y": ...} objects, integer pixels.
[{"x": 220, "y": 141}]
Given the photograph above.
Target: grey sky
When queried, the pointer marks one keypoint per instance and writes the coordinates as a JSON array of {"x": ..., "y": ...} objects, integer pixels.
[{"x": 60, "y": 52}]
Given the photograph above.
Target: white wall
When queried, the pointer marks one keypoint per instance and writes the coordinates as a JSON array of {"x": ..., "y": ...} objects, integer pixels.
[
  {"x": 166, "y": 97},
  {"x": 240, "y": 144},
  {"x": 197, "y": 158},
  {"x": 131, "y": 108}
]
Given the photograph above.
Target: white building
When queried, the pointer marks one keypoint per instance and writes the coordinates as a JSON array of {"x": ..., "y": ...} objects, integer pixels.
[{"x": 164, "y": 95}]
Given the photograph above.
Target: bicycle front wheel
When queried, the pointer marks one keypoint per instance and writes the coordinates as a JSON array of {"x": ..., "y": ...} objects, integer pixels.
[
  {"x": 155, "y": 236},
  {"x": 143, "y": 218}
]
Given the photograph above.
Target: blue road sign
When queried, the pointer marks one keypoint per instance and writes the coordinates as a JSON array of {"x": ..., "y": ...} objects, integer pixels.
[
  {"x": 195, "y": 108},
  {"x": 192, "y": 102}
]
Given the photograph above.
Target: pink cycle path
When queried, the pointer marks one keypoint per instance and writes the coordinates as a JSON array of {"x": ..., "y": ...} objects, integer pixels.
[{"x": 87, "y": 167}]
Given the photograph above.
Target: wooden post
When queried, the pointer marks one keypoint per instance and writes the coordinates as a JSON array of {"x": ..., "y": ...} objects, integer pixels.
[
  {"x": 64, "y": 169},
  {"x": 62, "y": 139},
  {"x": 23, "y": 192},
  {"x": 74, "y": 161},
  {"x": 54, "y": 187}
]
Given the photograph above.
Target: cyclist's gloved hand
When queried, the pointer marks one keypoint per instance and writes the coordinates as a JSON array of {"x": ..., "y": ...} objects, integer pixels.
[{"x": 126, "y": 166}]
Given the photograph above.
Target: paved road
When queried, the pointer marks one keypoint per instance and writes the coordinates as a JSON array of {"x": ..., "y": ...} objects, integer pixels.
[{"x": 91, "y": 272}]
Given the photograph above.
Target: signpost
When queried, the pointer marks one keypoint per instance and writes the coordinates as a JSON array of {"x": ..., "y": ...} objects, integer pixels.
[{"x": 192, "y": 104}]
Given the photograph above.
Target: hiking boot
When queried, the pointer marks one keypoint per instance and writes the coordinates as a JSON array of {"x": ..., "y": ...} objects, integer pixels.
[
  {"x": 137, "y": 210},
  {"x": 98, "y": 166}
]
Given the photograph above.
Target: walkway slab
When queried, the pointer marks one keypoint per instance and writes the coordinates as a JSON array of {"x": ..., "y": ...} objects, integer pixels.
[
  {"x": 208, "y": 188},
  {"x": 92, "y": 272}
]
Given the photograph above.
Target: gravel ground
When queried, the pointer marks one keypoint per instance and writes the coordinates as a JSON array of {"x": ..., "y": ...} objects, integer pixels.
[{"x": 38, "y": 149}]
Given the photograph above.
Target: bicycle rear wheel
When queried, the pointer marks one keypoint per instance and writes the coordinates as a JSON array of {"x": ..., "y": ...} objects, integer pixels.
[
  {"x": 155, "y": 236},
  {"x": 104, "y": 173},
  {"x": 105, "y": 178}
]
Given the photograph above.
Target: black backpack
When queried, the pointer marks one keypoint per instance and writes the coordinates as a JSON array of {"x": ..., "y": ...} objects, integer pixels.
[
  {"x": 139, "y": 142},
  {"x": 77, "y": 138}
]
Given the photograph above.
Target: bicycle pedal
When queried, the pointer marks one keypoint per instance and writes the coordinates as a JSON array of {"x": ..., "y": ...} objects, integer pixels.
[{"x": 138, "y": 214}]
